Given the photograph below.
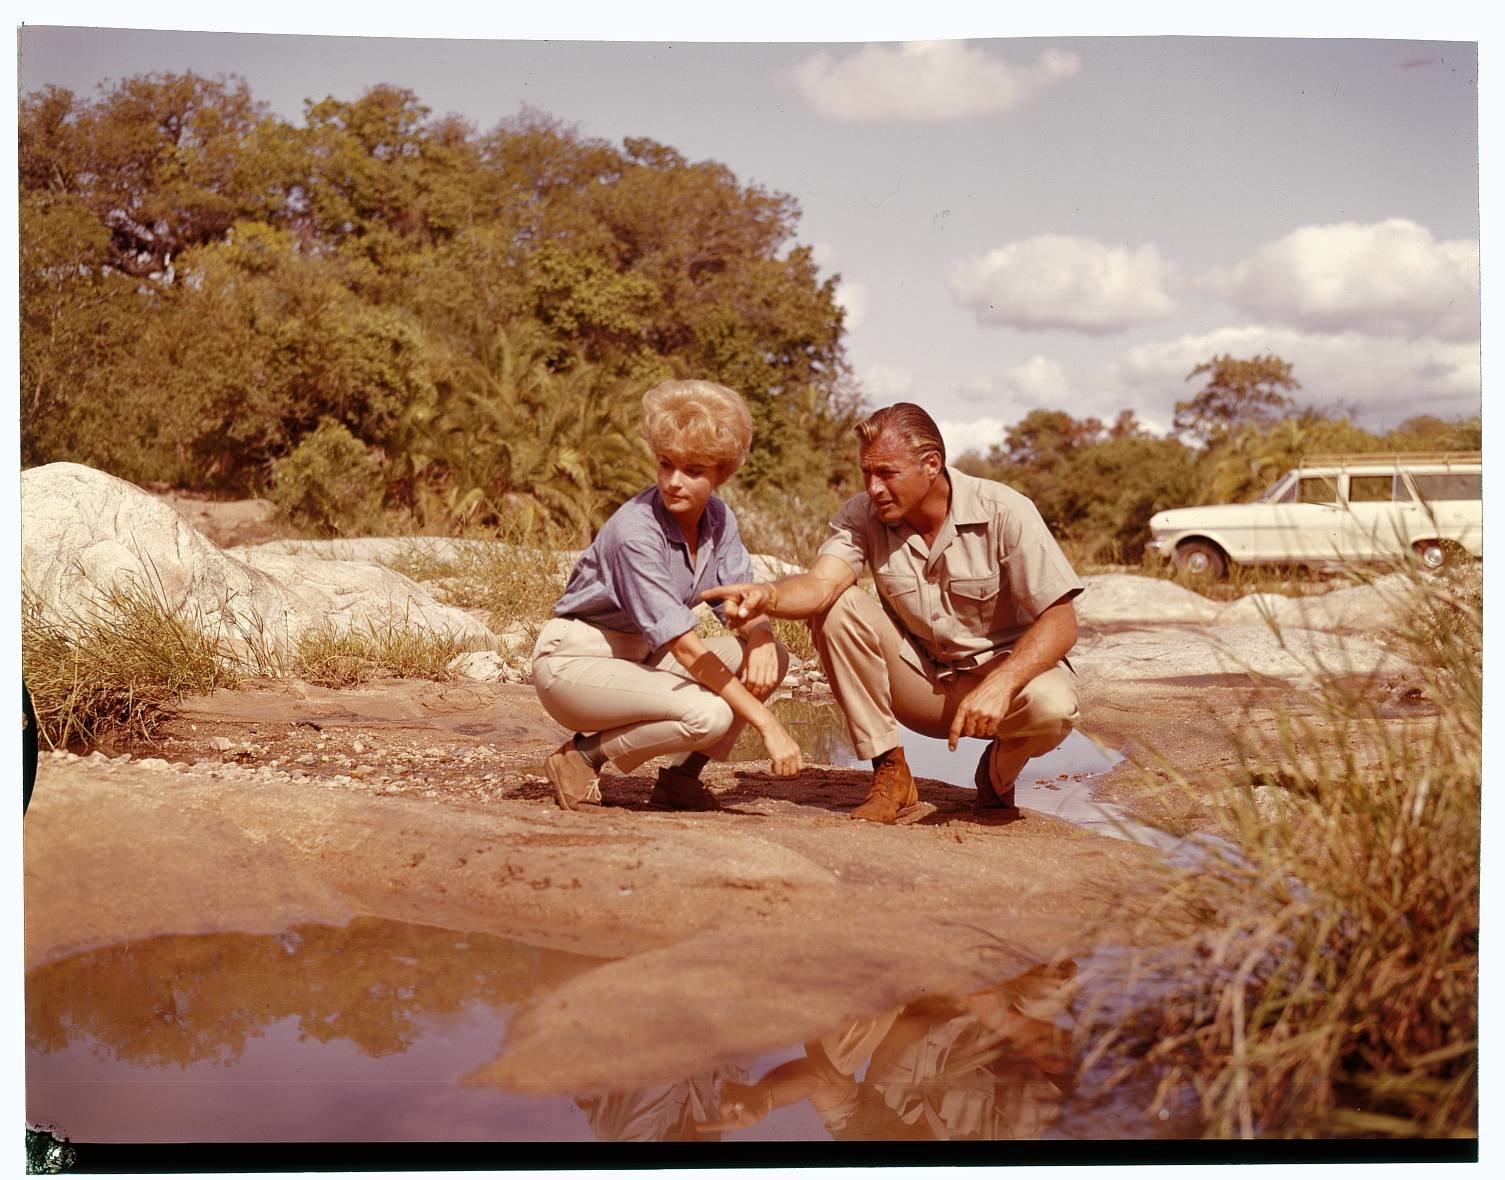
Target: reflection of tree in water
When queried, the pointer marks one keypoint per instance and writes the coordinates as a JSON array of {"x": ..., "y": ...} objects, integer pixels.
[
  {"x": 820, "y": 730},
  {"x": 992, "y": 1065},
  {"x": 181, "y": 999}
]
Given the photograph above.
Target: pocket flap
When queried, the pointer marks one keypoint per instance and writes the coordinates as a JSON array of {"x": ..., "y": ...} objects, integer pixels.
[{"x": 976, "y": 589}]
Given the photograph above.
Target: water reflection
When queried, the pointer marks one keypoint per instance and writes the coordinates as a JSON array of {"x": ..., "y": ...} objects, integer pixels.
[
  {"x": 991, "y": 1065},
  {"x": 673, "y": 1112},
  {"x": 185, "y": 999},
  {"x": 364, "y": 1032},
  {"x": 820, "y": 729}
]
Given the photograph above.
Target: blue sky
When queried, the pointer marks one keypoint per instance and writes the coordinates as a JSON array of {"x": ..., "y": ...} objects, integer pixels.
[{"x": 1062, "y": 222}]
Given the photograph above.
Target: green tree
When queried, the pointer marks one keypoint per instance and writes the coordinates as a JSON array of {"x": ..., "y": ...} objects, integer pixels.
[
  {"x": 165, "y": 162},
  {"x": 1236, "y": 392}
]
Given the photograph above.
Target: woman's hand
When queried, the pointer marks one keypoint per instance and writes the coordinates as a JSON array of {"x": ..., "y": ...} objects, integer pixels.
[
  {"x": 782, "y": 749},
  {"x": 760, "y": 664}
]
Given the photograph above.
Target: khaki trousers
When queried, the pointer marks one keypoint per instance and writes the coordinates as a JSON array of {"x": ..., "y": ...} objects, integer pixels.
[
  {"x": 593, "y": 680},
  {"x": 863, "y": 653}
]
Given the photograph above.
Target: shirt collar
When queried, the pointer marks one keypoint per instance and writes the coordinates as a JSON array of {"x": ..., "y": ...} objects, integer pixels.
[
  {"x": 966, "y": 506},
  {"x": 675, "y": 535},
  {"x": 665, "y": 518}
]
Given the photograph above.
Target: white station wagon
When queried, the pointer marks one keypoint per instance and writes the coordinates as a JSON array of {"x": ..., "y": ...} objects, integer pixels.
[{"x": 1336, "y": 508}]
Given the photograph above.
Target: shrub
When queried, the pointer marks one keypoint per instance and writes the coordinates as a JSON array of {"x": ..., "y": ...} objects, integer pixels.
[{"x": 330, "y": 484}]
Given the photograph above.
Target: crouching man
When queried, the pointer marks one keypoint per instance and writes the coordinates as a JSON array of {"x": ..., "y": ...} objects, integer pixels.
[{"x": 969, "y": 634}]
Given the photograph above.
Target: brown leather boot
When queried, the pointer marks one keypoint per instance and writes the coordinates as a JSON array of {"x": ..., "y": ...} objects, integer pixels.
[
  {"x": 893, "y": 796},
  {"x": 989, "y": 804},
  {"x": 573, "y": 779},
  {"x": 677, "y": 791}
]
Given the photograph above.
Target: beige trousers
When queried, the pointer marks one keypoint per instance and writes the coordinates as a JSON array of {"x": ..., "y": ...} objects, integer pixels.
[
  {"x": 862, "y": 651},
  {"x": 593, "y": 680}
]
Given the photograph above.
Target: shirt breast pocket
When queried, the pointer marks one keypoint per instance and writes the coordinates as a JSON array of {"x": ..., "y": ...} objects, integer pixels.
[
  {"x": 900, "y": 591},
  {"x": 975, "y": 604}
]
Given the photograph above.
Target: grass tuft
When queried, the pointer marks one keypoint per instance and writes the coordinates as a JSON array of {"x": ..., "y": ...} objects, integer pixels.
[
  {"x": 1335, "y": 989},
  {"x": 120, "y": 666},
  {"x": 513, "y": 582},
  {"x": 337, "y": 659}
]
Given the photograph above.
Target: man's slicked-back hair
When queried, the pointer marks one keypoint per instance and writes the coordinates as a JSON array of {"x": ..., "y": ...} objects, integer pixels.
[{"x": 907, "y": 423}]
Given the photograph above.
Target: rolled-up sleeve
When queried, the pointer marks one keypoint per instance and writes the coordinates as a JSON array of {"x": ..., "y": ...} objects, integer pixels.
[
  {"x": 641, "y": 584},
  {"x": 1038, "y": 573},
  {"x": 848, "y": 536}
]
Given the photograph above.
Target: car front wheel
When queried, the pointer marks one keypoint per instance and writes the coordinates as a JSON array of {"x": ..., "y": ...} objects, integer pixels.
[{"x": 1200, "y": 560}]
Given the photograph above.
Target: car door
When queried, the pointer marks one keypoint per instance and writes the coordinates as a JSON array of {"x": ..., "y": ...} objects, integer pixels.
[
  {"x": 1380, "y": 520},
  {"x": 1308, "y": 526}
]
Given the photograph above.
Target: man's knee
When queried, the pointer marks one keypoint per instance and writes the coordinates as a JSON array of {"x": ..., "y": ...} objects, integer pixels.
[
  {"x": 853, "y": 607},
  {"x": 1051, "y": 702}
]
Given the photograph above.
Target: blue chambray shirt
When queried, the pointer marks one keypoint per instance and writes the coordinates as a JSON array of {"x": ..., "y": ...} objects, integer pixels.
[{"x": 637, "y": 577}]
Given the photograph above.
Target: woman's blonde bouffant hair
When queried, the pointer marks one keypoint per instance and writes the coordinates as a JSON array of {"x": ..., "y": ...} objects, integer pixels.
[{"x": 698, "y": 420}]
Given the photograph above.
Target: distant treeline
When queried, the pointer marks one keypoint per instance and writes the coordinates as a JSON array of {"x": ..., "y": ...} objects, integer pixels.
[
  {"x": 1097, "y": 484},
  {"x": 383, "y": 313}
]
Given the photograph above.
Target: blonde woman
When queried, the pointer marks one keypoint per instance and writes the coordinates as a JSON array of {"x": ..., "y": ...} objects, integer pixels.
[{"x": 621, "y": 664}]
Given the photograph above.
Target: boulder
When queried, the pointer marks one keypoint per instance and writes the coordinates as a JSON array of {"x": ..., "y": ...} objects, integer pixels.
[
  {"x": 1114, "y": 599},
  {"x": 86, "y": 534},
  {"x": 1299, "y": 657},
  {"x": 1378, "y": 606}
]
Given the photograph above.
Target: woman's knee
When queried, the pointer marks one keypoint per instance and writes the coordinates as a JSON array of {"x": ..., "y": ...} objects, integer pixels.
[
  {"x": 781, "y": 655},
  {"x": 706, "y": 719}
]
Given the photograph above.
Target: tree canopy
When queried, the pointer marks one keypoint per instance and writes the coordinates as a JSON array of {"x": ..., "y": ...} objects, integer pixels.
[{"x": 204, "y": 283}]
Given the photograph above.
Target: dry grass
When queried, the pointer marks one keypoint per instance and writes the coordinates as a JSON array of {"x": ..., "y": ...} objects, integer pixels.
[
  {"x": 119, "y": 667},
  {"x": 514, "y": 582},
  {"x": 337, "y": 659},
  {"x": 1335, "y": 991}
]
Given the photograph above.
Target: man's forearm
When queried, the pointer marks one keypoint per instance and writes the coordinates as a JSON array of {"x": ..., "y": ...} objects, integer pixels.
[
  {"x": 1040, "y": 648},
  {"x": 798, "y": 597}
]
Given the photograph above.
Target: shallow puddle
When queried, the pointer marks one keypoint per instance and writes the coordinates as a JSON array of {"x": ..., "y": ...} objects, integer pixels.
[
  {"x": 1058, "y": 783},
  {"x": 363, "y": 1033}
]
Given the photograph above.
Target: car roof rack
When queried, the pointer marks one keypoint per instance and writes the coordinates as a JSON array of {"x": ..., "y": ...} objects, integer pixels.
[{"x": 1446, "y": 458}]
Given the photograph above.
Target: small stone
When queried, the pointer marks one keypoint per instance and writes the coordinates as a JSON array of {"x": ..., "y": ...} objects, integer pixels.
[
  {"x": 222, "y": 744},
  {"x": 306, "y": 760},
  {"x": 359, "y": 746}
]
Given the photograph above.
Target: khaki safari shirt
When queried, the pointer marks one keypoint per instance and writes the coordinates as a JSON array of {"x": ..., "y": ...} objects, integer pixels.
[{"x": 994, "y": 567}]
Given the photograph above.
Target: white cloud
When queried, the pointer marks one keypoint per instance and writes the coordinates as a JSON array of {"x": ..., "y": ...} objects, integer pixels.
[
  {"x": 977, "y": 435},
  {"x": 1385, "y": 378},
  {"x": 1386, "y": 278},
  {"x": 852, "y": 297},
  {"x": 884, "y": 383},
  {"x": 823, "y": 253},
  {"x": 925, "y": 82},
  {"x": 1059, "y": 281},
  {"x": 1039, "y": 382}
]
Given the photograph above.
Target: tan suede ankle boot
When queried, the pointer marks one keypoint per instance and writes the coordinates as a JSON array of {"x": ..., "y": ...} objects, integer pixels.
[{"x": 892, "y": 793}]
